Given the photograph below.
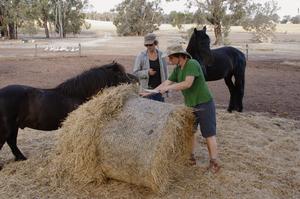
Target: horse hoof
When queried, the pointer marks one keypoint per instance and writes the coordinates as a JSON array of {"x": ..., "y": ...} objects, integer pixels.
[
  {"x": 20, "y": 158},
  {"x": 229, "y": 110}
]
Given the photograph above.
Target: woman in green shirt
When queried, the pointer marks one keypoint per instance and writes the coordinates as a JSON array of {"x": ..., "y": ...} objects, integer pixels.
[{"x": 188, "y": 78}]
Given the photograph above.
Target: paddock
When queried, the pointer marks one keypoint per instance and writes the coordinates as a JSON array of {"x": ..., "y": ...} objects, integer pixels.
[{"x": 259, "y": 151}]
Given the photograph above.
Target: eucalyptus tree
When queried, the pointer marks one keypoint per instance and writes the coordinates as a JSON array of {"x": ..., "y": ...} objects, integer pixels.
[
  {"x": 137, "y": 17},
  {"x": 255, "y": 17},
  {"x": 261, "y": 20},
  {"x": 67, "y": 16},
  {"x": 42, "y": 10},
  {"x": 220, "y": 13},
  {"x": 177, "y": 19},
  {"x": 10, "y": 12},
  {"x": 74, "y": 18}
]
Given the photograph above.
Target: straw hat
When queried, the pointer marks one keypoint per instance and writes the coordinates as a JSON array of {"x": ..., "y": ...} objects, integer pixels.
[
  {"x": 150, "y": 38},
  {"x": 175, "y": 49}
]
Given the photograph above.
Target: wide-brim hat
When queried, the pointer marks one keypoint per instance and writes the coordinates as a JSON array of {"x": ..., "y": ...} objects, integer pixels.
[
  {"x": 175, "y": 49},
  {"x": 150, "y": 38}
]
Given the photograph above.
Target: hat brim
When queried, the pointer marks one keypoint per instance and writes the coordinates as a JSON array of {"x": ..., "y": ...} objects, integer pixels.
[
  {"x": 166, "y": 54},
  {"x": 149, "y": 42}
]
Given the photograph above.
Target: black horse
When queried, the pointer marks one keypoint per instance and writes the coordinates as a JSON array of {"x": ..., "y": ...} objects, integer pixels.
[
  {"x": 222, "y": 63},
  {"x": 44, "y": 109}
]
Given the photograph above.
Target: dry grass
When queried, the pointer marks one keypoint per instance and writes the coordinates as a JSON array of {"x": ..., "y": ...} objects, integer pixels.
[{"x": 260, "y": 158}]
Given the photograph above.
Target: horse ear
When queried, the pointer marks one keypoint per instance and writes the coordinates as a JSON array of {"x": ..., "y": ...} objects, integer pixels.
[
  {"x": 118, "y": 68},
  {"x": 204, "y": 28},
  {"x": 195, "y": 30}
]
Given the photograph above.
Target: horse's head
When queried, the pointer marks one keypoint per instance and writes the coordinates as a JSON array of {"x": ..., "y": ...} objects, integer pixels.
[
  {"x": 118, "y": 74},
  {"x": 199, "y": 44},
  {"x": 200, "y": 38},
  {"x": 199, "y": 48}
]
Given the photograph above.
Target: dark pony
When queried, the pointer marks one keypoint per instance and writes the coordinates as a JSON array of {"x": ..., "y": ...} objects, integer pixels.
[
  {"x": 44, "y": 109},
  {"x": 221, "y": 63}
]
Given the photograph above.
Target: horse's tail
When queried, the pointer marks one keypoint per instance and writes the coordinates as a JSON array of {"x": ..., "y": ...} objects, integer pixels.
[
  {"x": 239, "y": 71},
  {"x": 239, "y": 63}
]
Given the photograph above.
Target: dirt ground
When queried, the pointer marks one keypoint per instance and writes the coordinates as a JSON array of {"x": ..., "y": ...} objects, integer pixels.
[
  {"x": 259, "y": 152},
  {"x": 272, "y": 74},
  {"x": 272, "y": 86}
]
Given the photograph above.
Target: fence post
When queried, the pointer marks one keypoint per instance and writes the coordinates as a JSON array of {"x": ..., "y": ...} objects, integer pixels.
[
  {"x": 35, "y": 50},
  {"x": 79, "y": 48},
  {"x": 247, "y": 49}
]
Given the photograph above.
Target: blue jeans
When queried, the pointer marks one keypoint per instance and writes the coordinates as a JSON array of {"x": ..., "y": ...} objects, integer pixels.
[{"x": 157, "y": 97}]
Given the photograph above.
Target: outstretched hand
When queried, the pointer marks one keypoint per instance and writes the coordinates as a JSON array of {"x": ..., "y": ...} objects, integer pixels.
[
  {"x": 163, "y": 90},
  {"x": 144, "y": 94},
  {"x": 147, "y": 92}
]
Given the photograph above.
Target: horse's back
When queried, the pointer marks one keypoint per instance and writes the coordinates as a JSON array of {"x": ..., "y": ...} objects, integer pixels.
[
  {"x": 11, "y": 95},
  {"x": 229, "y": 51},
  {"x": 14, "y": 89},
  {"x": 238, "y": 59},
  {"x": 226, "y": 60},
  {"x": 229, "y": 54}
]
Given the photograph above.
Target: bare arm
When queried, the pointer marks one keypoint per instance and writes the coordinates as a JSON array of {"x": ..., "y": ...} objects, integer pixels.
[
  {"x": 158, "y": 88},
  {"x": 187, "y": 83},
  {"x": 164, "y": 84}
]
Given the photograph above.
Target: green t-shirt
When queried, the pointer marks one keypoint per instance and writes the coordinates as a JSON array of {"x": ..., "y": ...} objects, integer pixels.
[{"x": 198, "y": 93}]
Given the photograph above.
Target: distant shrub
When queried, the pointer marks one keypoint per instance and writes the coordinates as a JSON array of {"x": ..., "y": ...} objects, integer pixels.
[{"x": 296, "y": 19}]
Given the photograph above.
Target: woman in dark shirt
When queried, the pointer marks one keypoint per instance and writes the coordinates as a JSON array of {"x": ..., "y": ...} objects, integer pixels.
[{"x": 150, "y": 67}]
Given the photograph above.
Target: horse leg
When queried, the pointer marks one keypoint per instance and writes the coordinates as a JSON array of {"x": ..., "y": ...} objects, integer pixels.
[
  {"x": 239, "y": 85},
  {"x": 231, "y": 87},
  {"x": 3, "y": 136},
  {"x": 12, "y": 143},
  {"x": 3, "y": 133}
]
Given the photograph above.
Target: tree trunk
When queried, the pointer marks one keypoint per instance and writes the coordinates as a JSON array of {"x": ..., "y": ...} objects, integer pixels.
[
  {"x": 16, "y": 32},
  {"x": 2, "y": 33},
  {"x": 1, "y": 24},
  {"x": 218, "y": 34},
  {"x": 11, "y": 31},
  {"x": 45, "y": 25},
  {"x": 45, "y": 22}
]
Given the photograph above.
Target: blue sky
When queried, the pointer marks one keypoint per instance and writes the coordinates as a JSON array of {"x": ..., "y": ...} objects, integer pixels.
[{"x": 288, "y": 7}]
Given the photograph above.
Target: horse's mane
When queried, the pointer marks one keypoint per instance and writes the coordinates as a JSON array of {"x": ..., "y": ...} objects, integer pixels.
[
  {"x": 190, "y": 47},
  {"x": 91, "y": 81}
]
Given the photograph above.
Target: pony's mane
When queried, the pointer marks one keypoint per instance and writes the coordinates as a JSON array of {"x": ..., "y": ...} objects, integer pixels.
[{"x": 91, "y": 81}]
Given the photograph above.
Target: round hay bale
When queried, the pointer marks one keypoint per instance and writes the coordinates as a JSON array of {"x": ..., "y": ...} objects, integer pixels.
[{"x": 122, "y": 136}]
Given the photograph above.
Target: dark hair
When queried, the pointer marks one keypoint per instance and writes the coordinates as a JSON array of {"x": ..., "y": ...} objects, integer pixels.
[{"x": 155, "y": 42}]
